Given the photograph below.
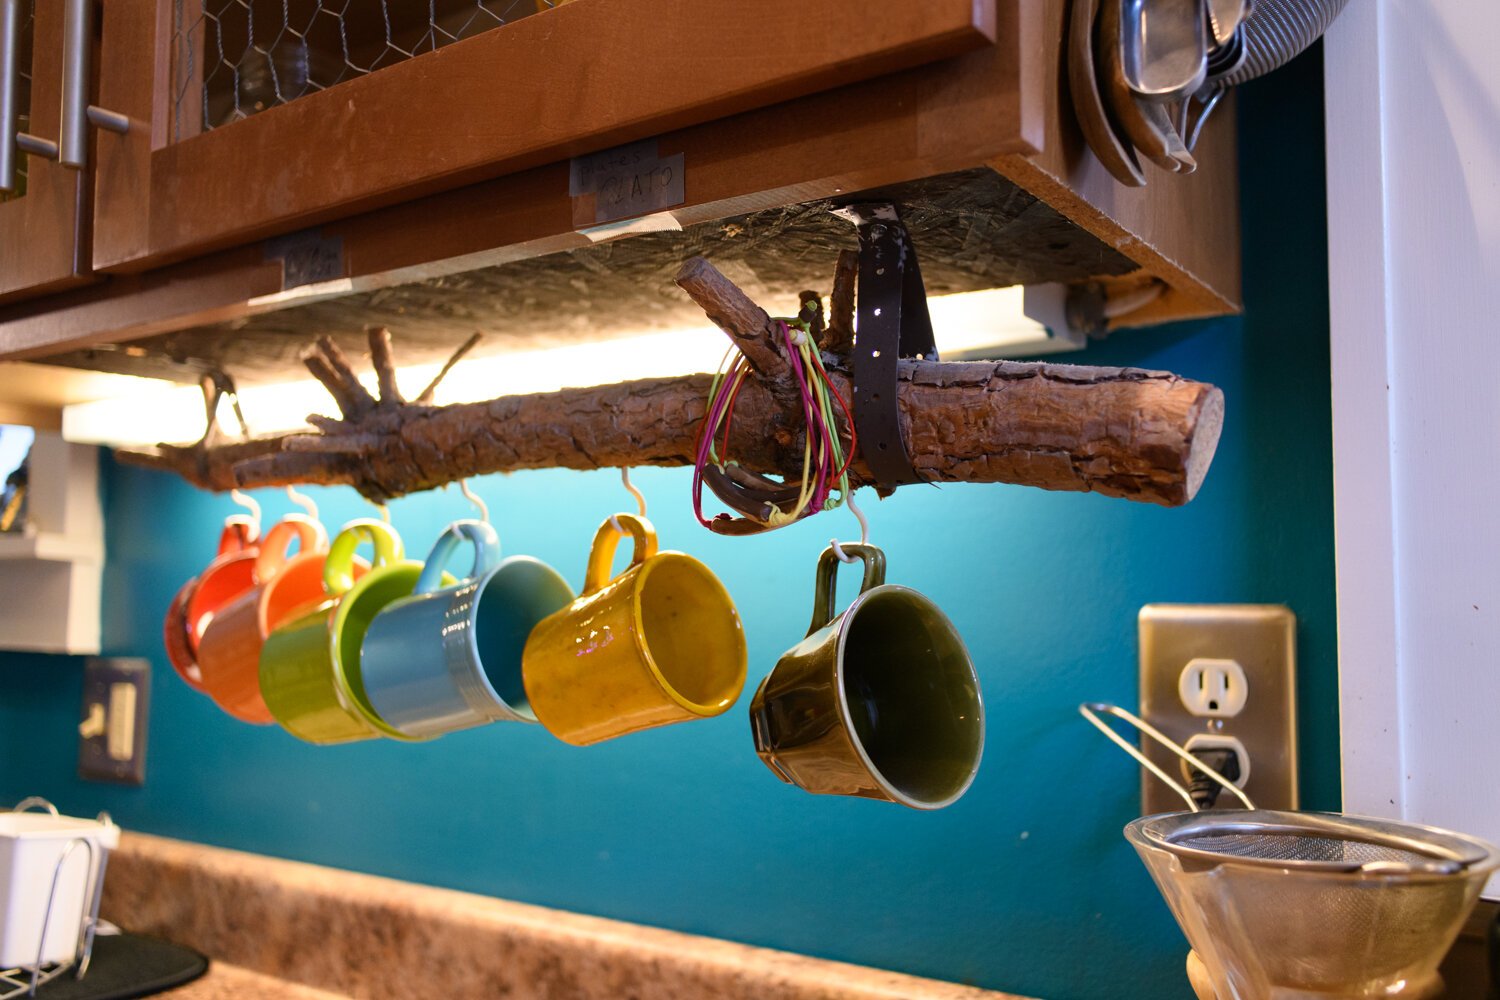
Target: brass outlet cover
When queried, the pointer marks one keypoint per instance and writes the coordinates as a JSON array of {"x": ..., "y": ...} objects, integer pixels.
[{"x": 1262, "y": 639}]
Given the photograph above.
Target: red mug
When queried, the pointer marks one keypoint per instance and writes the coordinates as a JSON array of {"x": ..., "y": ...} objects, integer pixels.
[
  {"x": 178, "y": 634},
  {"x": 282, "y": 587}
]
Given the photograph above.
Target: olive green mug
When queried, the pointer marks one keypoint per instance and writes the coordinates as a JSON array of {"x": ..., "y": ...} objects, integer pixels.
[{"x": 881, "y": 701}]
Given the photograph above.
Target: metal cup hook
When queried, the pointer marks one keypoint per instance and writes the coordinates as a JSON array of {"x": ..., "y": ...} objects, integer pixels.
[
  {"x": 473, "y": 498},
  {"x": 640, "y": 499},
  {"x": 250, "y": 504},
  {"x": 864, "y": 530},
  {"x": 304, "y": 501}
]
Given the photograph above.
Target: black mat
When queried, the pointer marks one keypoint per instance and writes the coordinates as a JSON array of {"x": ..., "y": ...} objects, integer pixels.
[{"x": 128, "y": 965}]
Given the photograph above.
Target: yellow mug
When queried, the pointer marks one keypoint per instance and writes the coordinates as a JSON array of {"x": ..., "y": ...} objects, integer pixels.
[{"x": 658, "y": 644}]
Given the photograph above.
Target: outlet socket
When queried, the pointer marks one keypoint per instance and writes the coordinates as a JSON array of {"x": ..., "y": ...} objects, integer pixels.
[
  {"x": 1211, "y": 673},
  {"x": 112, "y": 729},
  {"x": 1214, "y": 689}
]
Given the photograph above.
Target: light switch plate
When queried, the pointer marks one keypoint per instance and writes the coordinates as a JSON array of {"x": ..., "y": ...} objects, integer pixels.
[
  {"x": 112, "y": 727},
  {"x": 1261, "y": 639}
]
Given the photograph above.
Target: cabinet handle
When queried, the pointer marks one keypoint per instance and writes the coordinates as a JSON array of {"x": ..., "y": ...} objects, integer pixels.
[
  {"x": 77, "y": 113},
  {"x": 71, "y": 148},
  {"x": 10, "y": 45}
]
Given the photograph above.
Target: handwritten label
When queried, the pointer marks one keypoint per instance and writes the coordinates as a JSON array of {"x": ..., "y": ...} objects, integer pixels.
[{"x": 624, "y": 182}]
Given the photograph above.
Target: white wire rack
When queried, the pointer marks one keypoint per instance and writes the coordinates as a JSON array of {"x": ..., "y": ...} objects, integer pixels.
[{"x": 25, "y": 980}]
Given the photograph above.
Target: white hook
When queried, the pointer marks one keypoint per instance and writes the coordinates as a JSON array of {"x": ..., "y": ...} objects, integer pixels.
[
  {"x": 473, "y": 498},
  {"x": 640, "y": 499},
  {"x": 864, "y": 530},
  {"x": 248, "y": 502},
  {"x": 304, "y": 501}
]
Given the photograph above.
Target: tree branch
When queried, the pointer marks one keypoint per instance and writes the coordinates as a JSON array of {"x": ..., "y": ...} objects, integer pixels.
[
  {"x": 839, "y": 338},
  {"x": 1123, "y": 432}
]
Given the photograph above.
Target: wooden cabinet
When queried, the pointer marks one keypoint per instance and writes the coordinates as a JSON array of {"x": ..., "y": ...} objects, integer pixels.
[
  {"x": 43, "y": 217},
  {"x": 438, "y": 193},
  {"x": 541, "y": 88}
]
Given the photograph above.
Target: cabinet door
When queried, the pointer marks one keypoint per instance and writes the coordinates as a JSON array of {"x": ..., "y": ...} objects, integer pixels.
[
  {"x": 267, "y": 116},
  {"x": 42, "y": 215}
]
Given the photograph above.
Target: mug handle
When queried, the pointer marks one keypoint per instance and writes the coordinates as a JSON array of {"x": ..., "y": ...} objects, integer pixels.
[
  {"x": 602, "y": 554},
  {"x": 277, "y": 547},
  {"x": 238, "y": 535},
  {"x": 828, "y": 567},
  {"x": 338, "y": 568},
  {"x": 486, "y": 553}
]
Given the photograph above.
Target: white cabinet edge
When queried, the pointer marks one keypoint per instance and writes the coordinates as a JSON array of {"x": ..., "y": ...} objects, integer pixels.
[{"x": 51, "y": 576}]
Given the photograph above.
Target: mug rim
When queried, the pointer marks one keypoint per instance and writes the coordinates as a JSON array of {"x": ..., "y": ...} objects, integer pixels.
[
  {"x": 217, "y": 565},
  {"x": 642, "y": 571},
  {"x": 843, "y": 619},
  {"x": 324, "y": 612},
  {"x": 447, "y": 592},
  {"x": 341, "y": 687},
  {"x": 264, "y": 599},
  {"x": 177, "y": 613}
]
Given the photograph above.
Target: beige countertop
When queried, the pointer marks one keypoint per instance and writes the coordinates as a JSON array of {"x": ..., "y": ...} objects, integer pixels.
[
  {"x": 286, "y": 929},
  {"x": 230, "y": 982}
]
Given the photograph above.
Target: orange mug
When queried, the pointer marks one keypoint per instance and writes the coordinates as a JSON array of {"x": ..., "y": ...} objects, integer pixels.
[
  {"x": 284, "y": 586},
  {"x": 179, "y": 635}
]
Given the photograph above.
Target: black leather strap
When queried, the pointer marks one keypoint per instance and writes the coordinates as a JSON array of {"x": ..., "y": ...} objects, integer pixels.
[{"x": 892, "y": 323}]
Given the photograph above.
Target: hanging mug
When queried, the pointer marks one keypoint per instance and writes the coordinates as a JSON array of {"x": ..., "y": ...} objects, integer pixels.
[
  {"x": 658, "y": 644},
  {"x": 449, "y": 657},
  {"x": 349, "y": 715},
  {"x": 881, "y": 701},
  {"x": 285, "y": 586},
  {"x": 302, "y": 676},
  {"x": 178, "y": 634}
]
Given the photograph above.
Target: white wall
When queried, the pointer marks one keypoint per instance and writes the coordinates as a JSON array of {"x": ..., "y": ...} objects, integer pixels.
[{"x": 1413, "y": 92}]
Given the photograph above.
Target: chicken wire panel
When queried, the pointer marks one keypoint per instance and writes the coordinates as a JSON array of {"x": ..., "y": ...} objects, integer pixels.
[
  {"x": 23, "y": 95},
  {"x": 236, "y": 58}
]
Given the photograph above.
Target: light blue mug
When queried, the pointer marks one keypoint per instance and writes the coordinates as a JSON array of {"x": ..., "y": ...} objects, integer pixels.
[{"x": 449, "y": 658}]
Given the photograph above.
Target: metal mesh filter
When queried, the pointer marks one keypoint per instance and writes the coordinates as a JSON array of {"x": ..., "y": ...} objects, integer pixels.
[
  {"x": 236, "y": 58},
  {"x": 1299, "y": 847},
  {"x": 1278, "y": 904}
]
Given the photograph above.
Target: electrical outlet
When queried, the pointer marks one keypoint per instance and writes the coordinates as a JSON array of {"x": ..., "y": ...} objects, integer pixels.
[
  {"x": 1215, "y": 675},
  {"x": 1216, "y": 689},
  {"x": 112, "y": 732}
]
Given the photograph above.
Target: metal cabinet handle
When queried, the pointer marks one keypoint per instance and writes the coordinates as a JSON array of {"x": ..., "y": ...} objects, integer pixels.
[
  {"x": 71, "y": 149},
  {"x": 10, "y": 46},
  {"x": 77, "y": 113}
]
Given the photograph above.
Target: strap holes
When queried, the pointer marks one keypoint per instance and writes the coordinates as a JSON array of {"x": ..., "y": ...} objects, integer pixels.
[
  {"x": 882, "y": 446},
  {"x": 876, "y": 396},
  {"x": 874, "y": 354},
  {"x": 880, "y": 270},
  {"x": 877, "y": 310}
]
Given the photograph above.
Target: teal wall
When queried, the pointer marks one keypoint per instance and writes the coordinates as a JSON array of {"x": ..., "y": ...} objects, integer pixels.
[{"x": 1025, "y": 884}]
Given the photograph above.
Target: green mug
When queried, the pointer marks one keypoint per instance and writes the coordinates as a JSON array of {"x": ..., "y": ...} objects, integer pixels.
[
  {"x": 304, "y": 668},
  {"x": 881, "y": 701}
]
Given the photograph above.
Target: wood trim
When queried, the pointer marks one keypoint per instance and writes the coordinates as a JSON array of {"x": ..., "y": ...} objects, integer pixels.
[
  {"x": 942, "y": 117},
  {"x": 945, "y": 116},
  {"x": 596, "y": 74},
  {"x": 44, "y": 229}
]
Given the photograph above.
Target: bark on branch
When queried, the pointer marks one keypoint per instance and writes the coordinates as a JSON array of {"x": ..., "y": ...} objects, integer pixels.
[{"x": 1124, "y": 432}]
